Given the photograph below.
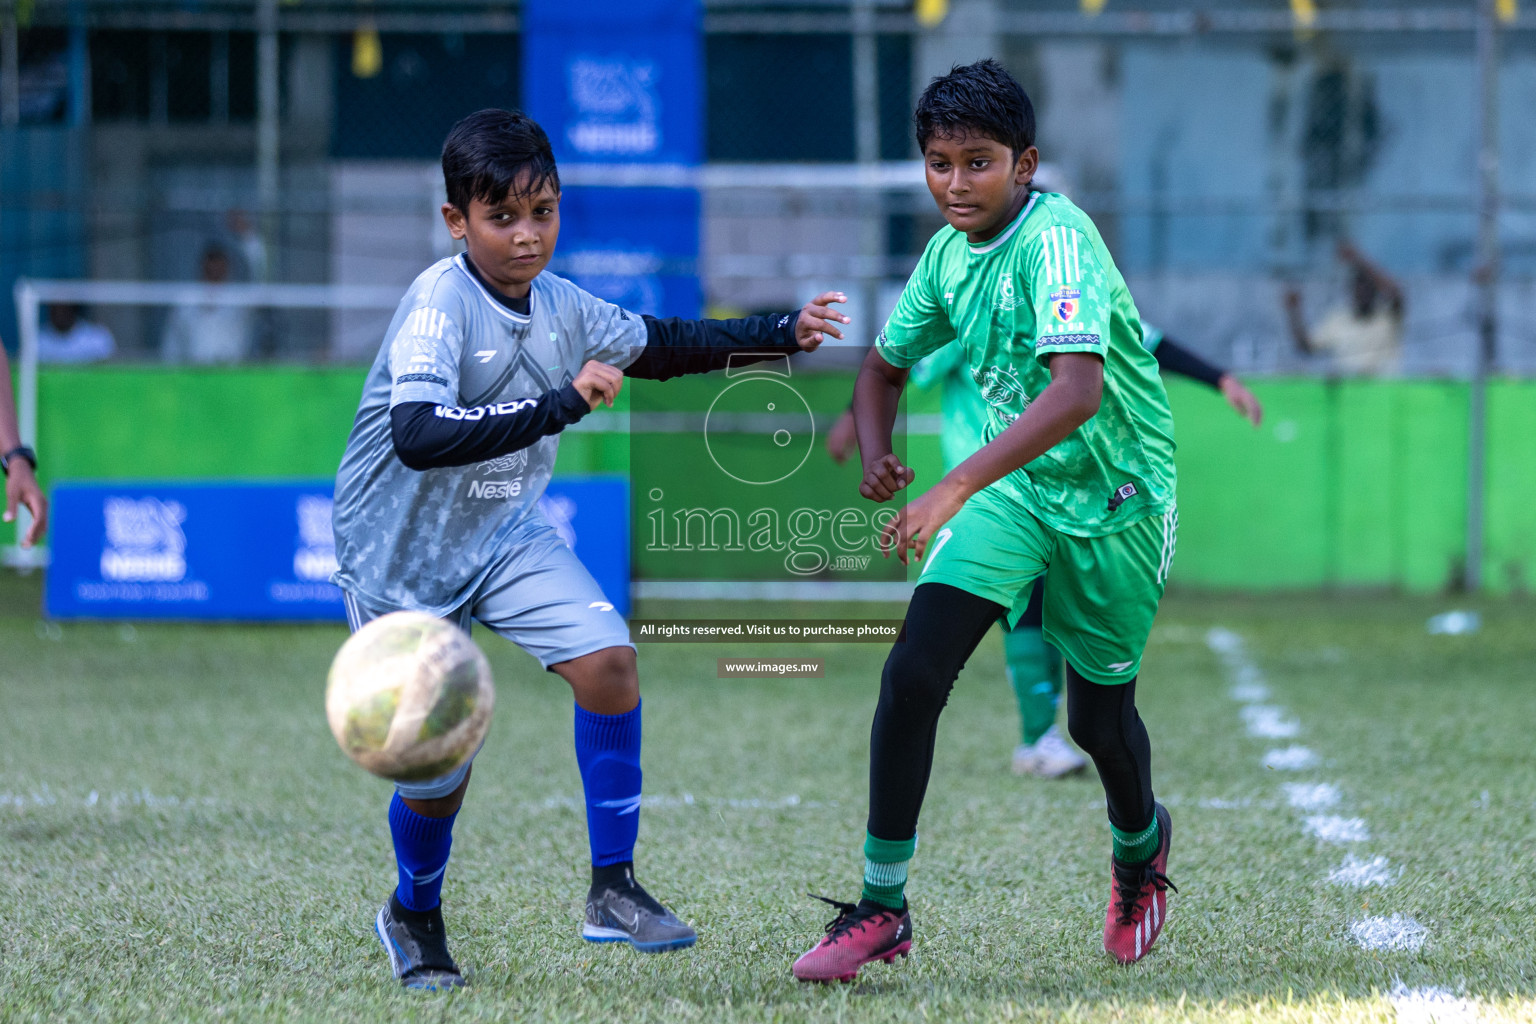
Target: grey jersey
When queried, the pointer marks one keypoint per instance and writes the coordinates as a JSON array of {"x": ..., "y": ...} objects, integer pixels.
[{"x": 424, "y": 540}]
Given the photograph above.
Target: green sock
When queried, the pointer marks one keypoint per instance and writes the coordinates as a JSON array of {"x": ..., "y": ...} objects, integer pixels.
[
  {"x": 1034, "y": 670},
  {"x": 1134, "y": 847},
  {"x": 885, "y": 869}
]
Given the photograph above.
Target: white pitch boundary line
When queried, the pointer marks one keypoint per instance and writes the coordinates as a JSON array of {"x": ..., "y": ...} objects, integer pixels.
[
  {"x": 1432, "y": 1005},
  {"x": 1264, "y": 720}
]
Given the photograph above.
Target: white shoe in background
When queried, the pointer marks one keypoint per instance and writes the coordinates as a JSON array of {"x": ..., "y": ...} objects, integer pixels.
[{"x": 1049, "y": 757}]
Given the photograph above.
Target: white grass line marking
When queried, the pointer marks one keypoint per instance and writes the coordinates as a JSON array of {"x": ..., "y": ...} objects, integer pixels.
[
  {"x": 1362, "y": 874},
  {"x": 1395, "y": 934},
  {"x": 1312, "y": 796},
  {"x": 1223, "y": 641},
  {"x": 1331, "y": 828},
  {"x": 1432, "y": 1005},
  {"x": 689, "y": 800},
  {"x": 1269, "y": 722},
  {"x": 1249, "y": 693},
  {"x": 1376, "y": 933},
  {"x": 1247, "y": 680},
  {"x": 1216, "y": 803},
  {"x": 1290, "y": 759},
  {"x": 142, "y": 798}
]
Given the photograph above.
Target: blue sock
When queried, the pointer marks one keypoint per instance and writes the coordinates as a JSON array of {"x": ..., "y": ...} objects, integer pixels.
[
  {"x": 608, "y": 753},
  {"x": 421, "y": 851}
]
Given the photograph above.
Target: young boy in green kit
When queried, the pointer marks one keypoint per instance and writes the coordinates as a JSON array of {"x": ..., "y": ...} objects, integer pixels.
[{"x": 1075, "y": 483}]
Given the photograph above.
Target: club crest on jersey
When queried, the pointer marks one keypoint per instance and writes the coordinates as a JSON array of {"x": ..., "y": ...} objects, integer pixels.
[
  {"x": 1065, "y": 304},
  {"x": 515, "y": 462},
  {"x": 998, "y": 386},
  {"x": 1006, "y": 297}
]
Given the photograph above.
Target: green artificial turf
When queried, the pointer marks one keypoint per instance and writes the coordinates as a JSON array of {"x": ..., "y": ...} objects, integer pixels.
[{"x": 180, "y": 837}]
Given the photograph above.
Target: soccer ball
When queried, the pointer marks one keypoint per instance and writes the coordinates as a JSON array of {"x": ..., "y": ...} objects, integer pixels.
[{"x": 409, "y": 696}]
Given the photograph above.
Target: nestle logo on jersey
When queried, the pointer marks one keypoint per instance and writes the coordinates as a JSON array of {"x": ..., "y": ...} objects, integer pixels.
[{"x": 499, "y": 490}]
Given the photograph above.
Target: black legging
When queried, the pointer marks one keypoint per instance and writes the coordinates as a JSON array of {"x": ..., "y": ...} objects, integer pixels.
[{"x": 944, "y": 625}]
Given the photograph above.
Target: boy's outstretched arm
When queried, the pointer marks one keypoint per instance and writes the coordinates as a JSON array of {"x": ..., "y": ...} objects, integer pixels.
[
  {"x": 876, "y": 396},
  {"x": 428, "y": 435},
  {"x": 1175, "y": 358},
  {"x": 674, "y": 347},
  {"x": 1068, "y": 401}
]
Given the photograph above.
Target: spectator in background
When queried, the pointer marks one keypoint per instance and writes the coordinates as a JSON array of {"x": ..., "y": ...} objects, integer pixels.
[
  {"x": 67, "y": 338},
  {"x": 1364, "y": 337},
  {"x": 206, "y": 333},
  {"x": 19, "y": 464},
  {"x": 248, "y": 240}
]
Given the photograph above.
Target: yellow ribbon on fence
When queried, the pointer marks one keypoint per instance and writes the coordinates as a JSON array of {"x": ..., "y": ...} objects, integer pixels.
[
  {"x": 931, "y": 12},
  {"x": 367, "y": 52}
]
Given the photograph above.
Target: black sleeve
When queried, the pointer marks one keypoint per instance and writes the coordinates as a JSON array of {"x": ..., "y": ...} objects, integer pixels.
[
  {"x": 1178, "y": 359},
  {"x": 431, "y": 436},
  {"x": 675, "y": 347}
]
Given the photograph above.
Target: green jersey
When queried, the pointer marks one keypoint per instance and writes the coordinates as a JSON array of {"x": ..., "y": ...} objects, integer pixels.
[
  {"x": 1044, "y": 286},
  {"x": 962, "y": 408}
]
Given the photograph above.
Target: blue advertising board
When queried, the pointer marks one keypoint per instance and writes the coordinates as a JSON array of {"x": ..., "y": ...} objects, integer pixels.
[
  {"x": 635, "y": 247},
  {"x": 618, "y": 82},
  {"x": 257, "y": 551}
]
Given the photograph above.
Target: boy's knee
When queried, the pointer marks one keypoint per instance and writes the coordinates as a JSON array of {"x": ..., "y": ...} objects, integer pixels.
[
  {"x": 610, "y": 665},
  {"x": 606, "y": 682},
  {"x": 914, "y": 680},
  {"x": 1091, "y": 735}
]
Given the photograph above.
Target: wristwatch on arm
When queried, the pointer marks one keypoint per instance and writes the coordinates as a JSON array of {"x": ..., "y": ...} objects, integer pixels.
[{"x": 21, "y": 451}]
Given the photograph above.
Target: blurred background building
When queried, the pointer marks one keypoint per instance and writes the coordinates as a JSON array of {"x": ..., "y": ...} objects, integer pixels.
[
  {"x": 1225, "y": 147},
  {"x": 1317, "y": 192}
]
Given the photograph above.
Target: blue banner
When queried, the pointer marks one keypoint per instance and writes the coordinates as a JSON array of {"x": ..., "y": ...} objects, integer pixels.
[
  {"x": 616, "y": 81},
  {"x": 620, "y": 82},
  {"x": 257, "y": 552},
  {"x": 635, "y": 247}
]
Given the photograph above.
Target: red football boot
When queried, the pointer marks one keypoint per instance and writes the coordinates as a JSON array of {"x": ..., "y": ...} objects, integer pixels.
[
  {"x": 860, "y": 933},
  {"x": 1138, "y": 901}
]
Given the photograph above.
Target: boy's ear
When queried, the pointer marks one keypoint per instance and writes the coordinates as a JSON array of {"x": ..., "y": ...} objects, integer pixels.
[
  {"x": 1028, "y": 163},
  {"x": 454, "y": 218}
]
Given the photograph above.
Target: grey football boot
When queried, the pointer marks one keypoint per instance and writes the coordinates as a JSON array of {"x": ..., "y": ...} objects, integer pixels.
[
  {"x": 417, "y": 946},
  {"x": 619, "y": 910}
]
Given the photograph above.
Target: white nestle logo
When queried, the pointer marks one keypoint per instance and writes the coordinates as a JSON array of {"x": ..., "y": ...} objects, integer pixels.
[
  {"x": 499, "y": 489},
  {"x": 616, "y": 107},
  {"x": 315, "y": 558},
  {"x": 145, "y": 542}
]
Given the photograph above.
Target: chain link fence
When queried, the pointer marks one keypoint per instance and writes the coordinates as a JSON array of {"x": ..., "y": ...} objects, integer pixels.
[{"x": 1228, "y": 151}]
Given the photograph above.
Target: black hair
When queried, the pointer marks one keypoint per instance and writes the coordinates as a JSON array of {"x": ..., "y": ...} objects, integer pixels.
[
  {"x": 976, "y": 99},
  {"x": 493, "y": 153}
]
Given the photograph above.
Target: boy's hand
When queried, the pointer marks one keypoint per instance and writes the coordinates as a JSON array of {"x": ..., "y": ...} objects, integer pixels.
[
  {"x": 884, "y": 477},
  {"x": 1243, "y": 401},
  {"x": 599, "y": 383},
  {"x": 919, "y": 523},
  {"x": 818, "y": 319},
  {"x": 21, "y": 489}
]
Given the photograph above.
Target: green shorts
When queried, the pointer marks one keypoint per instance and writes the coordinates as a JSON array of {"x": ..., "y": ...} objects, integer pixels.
[{"x": 1101, "y": 593}]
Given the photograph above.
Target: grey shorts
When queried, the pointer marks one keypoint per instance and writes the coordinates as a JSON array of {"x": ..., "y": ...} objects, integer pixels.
[{"x": 542, "y": 599}]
